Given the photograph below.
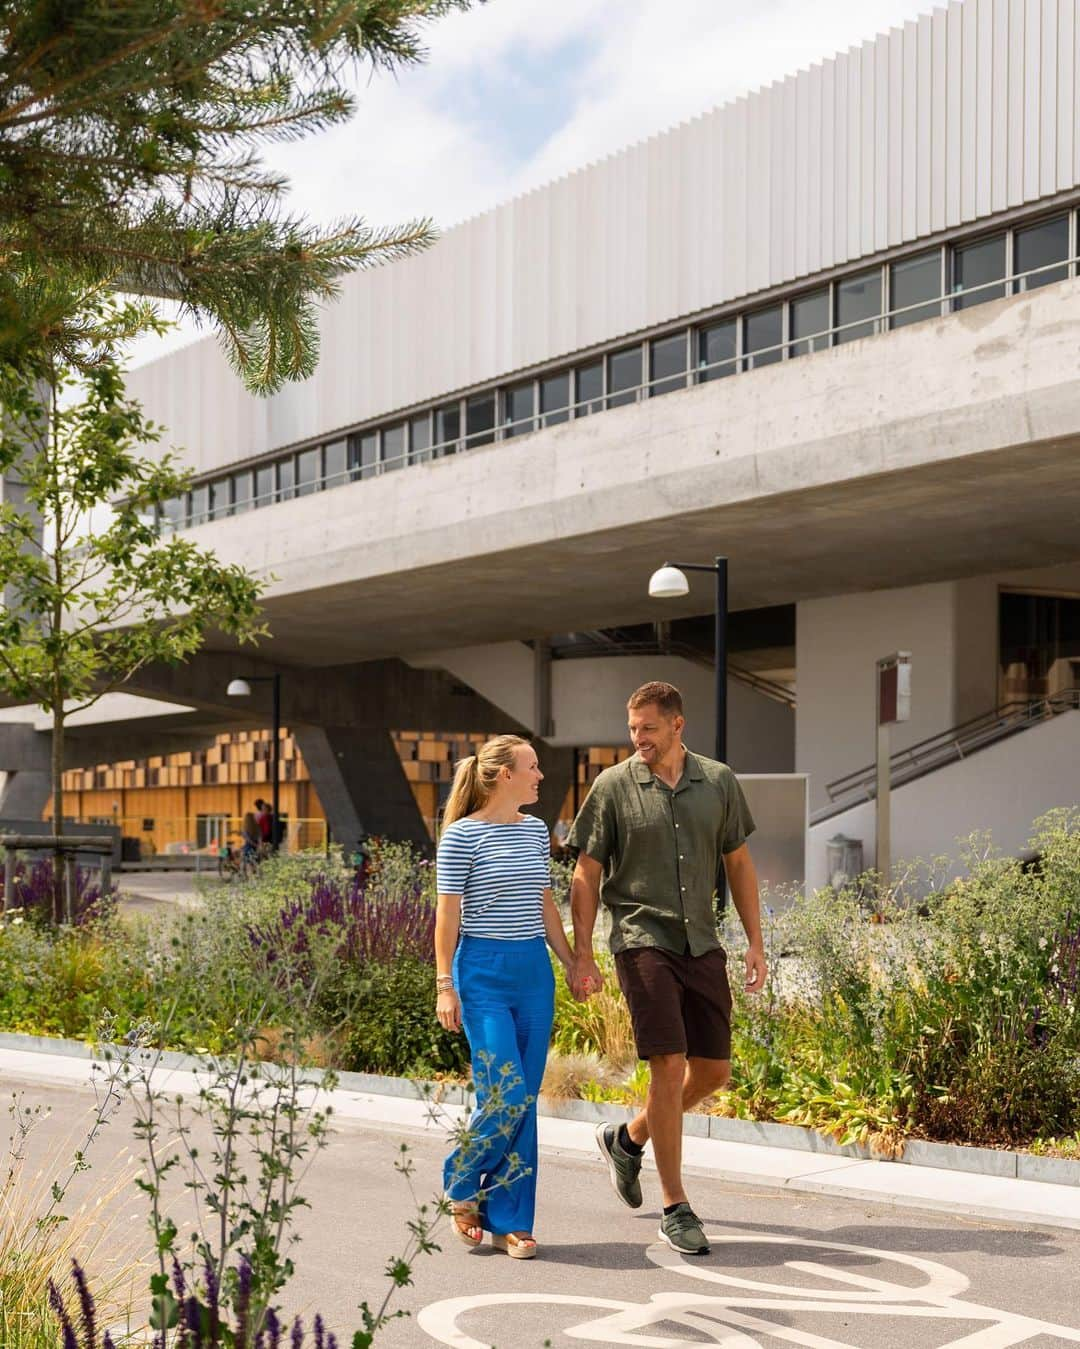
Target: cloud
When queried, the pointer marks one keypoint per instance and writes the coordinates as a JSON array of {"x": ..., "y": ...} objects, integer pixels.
[{"x": 518, "y": 92}]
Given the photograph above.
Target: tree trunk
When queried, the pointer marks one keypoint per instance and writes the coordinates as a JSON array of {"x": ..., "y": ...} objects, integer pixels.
[{"x": 61, "y": 902}]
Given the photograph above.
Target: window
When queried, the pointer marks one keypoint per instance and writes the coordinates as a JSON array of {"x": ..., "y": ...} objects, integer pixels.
[
  {"x": 1040, "y": 246},
  {"x": 307, "y": 472},
  {"x": 172, "y": 514},
  {"x": 590, "y": 389},
  {"x": 364, "y": 454},
  {"x": 200, "y": 504},
  {"x": 979, "y": 265},
  {"x": 393, "y": 447},
  {"x": 717, "y": 346},
  {"x": 480, "y": 419},
  {"x": 667, "y": 364},
  {"x": 809, "y": 319},
  {"x": 555, "y": 399},
  {"x": 241, "y": 491},
  {"x": 286, "y": 478},
  {"x": 220, "y": 499},
  {"x": 447, "y": 428},
  {"x": 264, "y": 485},
  {"x": 915, "y": 279},
  {"x": 420, "y": 439},
  {"x": 335, "y": 459},
  {"x": 858, "y": 298},
  {"x": 763, "y": 332},
  {"x": 520, "y": 409},
  {"x": 624, "y": 376}
]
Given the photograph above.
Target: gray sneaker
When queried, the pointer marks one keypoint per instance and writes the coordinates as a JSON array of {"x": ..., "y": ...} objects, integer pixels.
[
  {"x": 683, "y": 1232},
  {"x": 623, "y": 1169}
]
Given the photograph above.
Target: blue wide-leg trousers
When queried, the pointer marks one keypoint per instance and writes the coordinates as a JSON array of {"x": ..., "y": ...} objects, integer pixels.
[{"x": 507, "y": 992}]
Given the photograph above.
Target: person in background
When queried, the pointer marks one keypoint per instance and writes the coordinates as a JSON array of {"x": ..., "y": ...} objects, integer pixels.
[
  {"x": 252, "y": 836},
  {"x": 265, "y": 818},
  {"x": 495, "y": 919}
]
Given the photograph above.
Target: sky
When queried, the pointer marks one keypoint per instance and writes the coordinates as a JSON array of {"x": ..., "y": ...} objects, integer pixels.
[{"x": 516, "y": 93}]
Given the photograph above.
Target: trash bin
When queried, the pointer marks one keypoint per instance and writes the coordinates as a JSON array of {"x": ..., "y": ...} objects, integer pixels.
[
  {"x": 844, "y": 860},
  {"x": 130, "y": 848}
]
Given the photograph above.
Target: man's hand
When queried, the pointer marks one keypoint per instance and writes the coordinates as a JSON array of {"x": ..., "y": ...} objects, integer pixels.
[
  {"x": 585, "y": 977},
  {"x": 756, "y": 969}
]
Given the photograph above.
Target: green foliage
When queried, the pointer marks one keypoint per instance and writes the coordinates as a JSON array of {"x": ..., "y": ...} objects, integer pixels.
[
  {"x": 129, "y": 138},
  {"x": 392, "y": 1028}
]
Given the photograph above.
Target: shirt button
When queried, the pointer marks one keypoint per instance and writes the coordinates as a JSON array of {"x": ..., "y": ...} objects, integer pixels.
[
  {"x": 683, "y": 888},
  {"x": 676, "y": 826},
  {"x": 681, "y": 858},
  {"x": 686, "y": 921}
]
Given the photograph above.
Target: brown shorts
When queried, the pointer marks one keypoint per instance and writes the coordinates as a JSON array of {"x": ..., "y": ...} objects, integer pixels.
[{"x": 679, "y": 1004}]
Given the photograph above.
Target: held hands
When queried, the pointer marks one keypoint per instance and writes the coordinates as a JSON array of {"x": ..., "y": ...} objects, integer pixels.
[
  {"x": 448, "y": 1009},
  {"x": 756, "y": 969},
  {"x": 584, "y": 977}
]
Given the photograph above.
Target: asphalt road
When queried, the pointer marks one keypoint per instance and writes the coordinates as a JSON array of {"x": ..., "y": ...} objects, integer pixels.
[{"x": 785, "y": 1268}]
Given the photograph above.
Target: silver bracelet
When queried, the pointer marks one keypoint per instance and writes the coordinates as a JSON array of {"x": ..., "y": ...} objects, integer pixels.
[{"x": 444, "y": 983}]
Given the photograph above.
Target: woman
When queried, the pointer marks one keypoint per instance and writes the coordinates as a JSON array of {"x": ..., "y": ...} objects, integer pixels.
[
  {"x": 252, "y": 837},
  {"x": 494, "y": 884}
]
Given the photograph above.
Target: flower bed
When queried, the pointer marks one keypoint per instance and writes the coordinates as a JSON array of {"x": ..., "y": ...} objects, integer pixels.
[{"x": 956, "y": 1020}]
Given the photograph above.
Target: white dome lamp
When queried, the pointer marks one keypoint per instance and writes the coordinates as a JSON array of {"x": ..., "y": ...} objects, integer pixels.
[
  {"x": 668, "y": 583},
  {"x": 238, "y": 688}
]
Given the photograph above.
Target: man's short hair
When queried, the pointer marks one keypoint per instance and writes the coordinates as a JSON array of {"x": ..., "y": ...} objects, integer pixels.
[{"x": 666, "y": 696}]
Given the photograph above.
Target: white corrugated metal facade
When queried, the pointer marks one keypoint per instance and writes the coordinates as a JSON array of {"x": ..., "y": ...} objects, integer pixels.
[{"x": 969, "y": 112}]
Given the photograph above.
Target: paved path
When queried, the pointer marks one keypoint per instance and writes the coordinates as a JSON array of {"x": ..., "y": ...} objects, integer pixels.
[
  {"x": 788, "y": 1266},
  {"x": 151, "y": 892}
]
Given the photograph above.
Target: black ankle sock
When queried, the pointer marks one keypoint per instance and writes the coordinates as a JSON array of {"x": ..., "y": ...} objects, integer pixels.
[
  {"x": 627, "y": 1144},
  {"x": 669, "y": 1209}
]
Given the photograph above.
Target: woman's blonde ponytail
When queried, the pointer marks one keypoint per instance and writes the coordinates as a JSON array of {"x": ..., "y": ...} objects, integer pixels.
[{"x": 474, "y": 777}]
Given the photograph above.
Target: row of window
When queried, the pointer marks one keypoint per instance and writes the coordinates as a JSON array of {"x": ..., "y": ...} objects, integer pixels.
[{"x": 925, "y": 285}]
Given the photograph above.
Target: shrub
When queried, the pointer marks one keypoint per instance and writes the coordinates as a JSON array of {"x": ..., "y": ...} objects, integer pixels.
[{"x": 393, "y": 1027}]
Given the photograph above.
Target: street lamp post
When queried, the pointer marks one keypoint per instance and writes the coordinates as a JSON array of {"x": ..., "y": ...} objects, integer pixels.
[
  {"x": 669, "y": 582},
  {"x": 241, "y": 688}
]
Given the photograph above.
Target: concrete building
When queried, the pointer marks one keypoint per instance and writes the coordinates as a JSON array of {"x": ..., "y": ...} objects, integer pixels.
[{"x": 828, "y": 330}]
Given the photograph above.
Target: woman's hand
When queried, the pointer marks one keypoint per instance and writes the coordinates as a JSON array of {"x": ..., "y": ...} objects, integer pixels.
[{"x": 448, "y": 1010}]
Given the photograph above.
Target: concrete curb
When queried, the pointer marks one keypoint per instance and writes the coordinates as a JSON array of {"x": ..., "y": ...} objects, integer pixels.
[{"x": 917, "y": 1152}]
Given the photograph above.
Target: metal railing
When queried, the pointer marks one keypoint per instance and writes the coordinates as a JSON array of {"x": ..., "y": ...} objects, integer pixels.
[
  {"x": 199, "y": 838},
  {"x": 606, "y": 644},
  {"x": 695, "y": 373},
  {"x": 947, "y": 747}
]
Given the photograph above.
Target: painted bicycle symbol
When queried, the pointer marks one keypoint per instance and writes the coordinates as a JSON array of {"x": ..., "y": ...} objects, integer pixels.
[{"x": 727, "y": 1313}]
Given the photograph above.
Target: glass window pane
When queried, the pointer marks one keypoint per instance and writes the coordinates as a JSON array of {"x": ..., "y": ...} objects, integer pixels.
[
  {"x": 1040, "y": 246},
  {"x": 286, "y": 477},
  {"x": 200, "y": 504},
  {"x": 335, "y": 459},
  {"x": 480, "y": 420},
  {"x": 220, "y": 499},
  {"x": 858, "y": 297},
  {"x": 915, "y": 279},
  {"x": 809, "y": 319},
  {"x": 520, "y": 409},
  {"x": 264, "y": 485},
  {"x": 364, "y": 455},
  {"x": 555, "y": 399},
  {"x": 979, "y": 265},
  {"x": 241, "y": 491},
  {"x": 447, "y": 428},
  {"x": 172, "y": 514},
  {"x": 624, "y": 376},
  {"x": 716, "y": 350},
  {"x": 590, "y": 389},
  {"x": 763, "y": 332},
  {"x": 393, "y": 447},
  {"x": 667, "y": 364},
  {"x": 420, "y": 439},
  {"x": 307, "y": 472}
]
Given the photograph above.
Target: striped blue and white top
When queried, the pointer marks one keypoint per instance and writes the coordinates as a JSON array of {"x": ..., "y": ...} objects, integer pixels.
[{"x": 501, "y": 872}]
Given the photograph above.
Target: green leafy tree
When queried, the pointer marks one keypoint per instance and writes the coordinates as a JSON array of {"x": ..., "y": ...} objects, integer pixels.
[
  {"x": 129, "y": 138},
  {"x": 92, "y": 591}
]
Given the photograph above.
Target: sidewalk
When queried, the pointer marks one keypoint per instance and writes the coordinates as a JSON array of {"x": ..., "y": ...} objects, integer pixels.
[{"x": 1022, "y": 1203}]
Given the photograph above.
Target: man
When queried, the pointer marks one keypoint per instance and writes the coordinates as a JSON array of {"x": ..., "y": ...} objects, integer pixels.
[
  {"x": 650, "y": 836},
  {"x": 264, "y": 816}
]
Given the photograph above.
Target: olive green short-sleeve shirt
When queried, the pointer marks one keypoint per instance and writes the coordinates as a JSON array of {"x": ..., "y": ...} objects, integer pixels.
[{"x": 661, "y": 850}]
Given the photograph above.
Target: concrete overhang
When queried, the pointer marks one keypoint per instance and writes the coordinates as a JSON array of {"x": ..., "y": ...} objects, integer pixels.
[{"x": 946, "y": 449}]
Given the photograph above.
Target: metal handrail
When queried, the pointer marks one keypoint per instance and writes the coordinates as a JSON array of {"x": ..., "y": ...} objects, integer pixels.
[
  {"x": 956, "y": 743},
  {"x": 602, "y": 402},
  {"x": 612, "y": 646}
]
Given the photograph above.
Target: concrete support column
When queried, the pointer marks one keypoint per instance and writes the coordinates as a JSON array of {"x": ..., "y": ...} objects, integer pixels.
[
  {"x": 557, "y": 766},
  {"x": 24, "y": 795},
  {"x": 361, "y": 784}
]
